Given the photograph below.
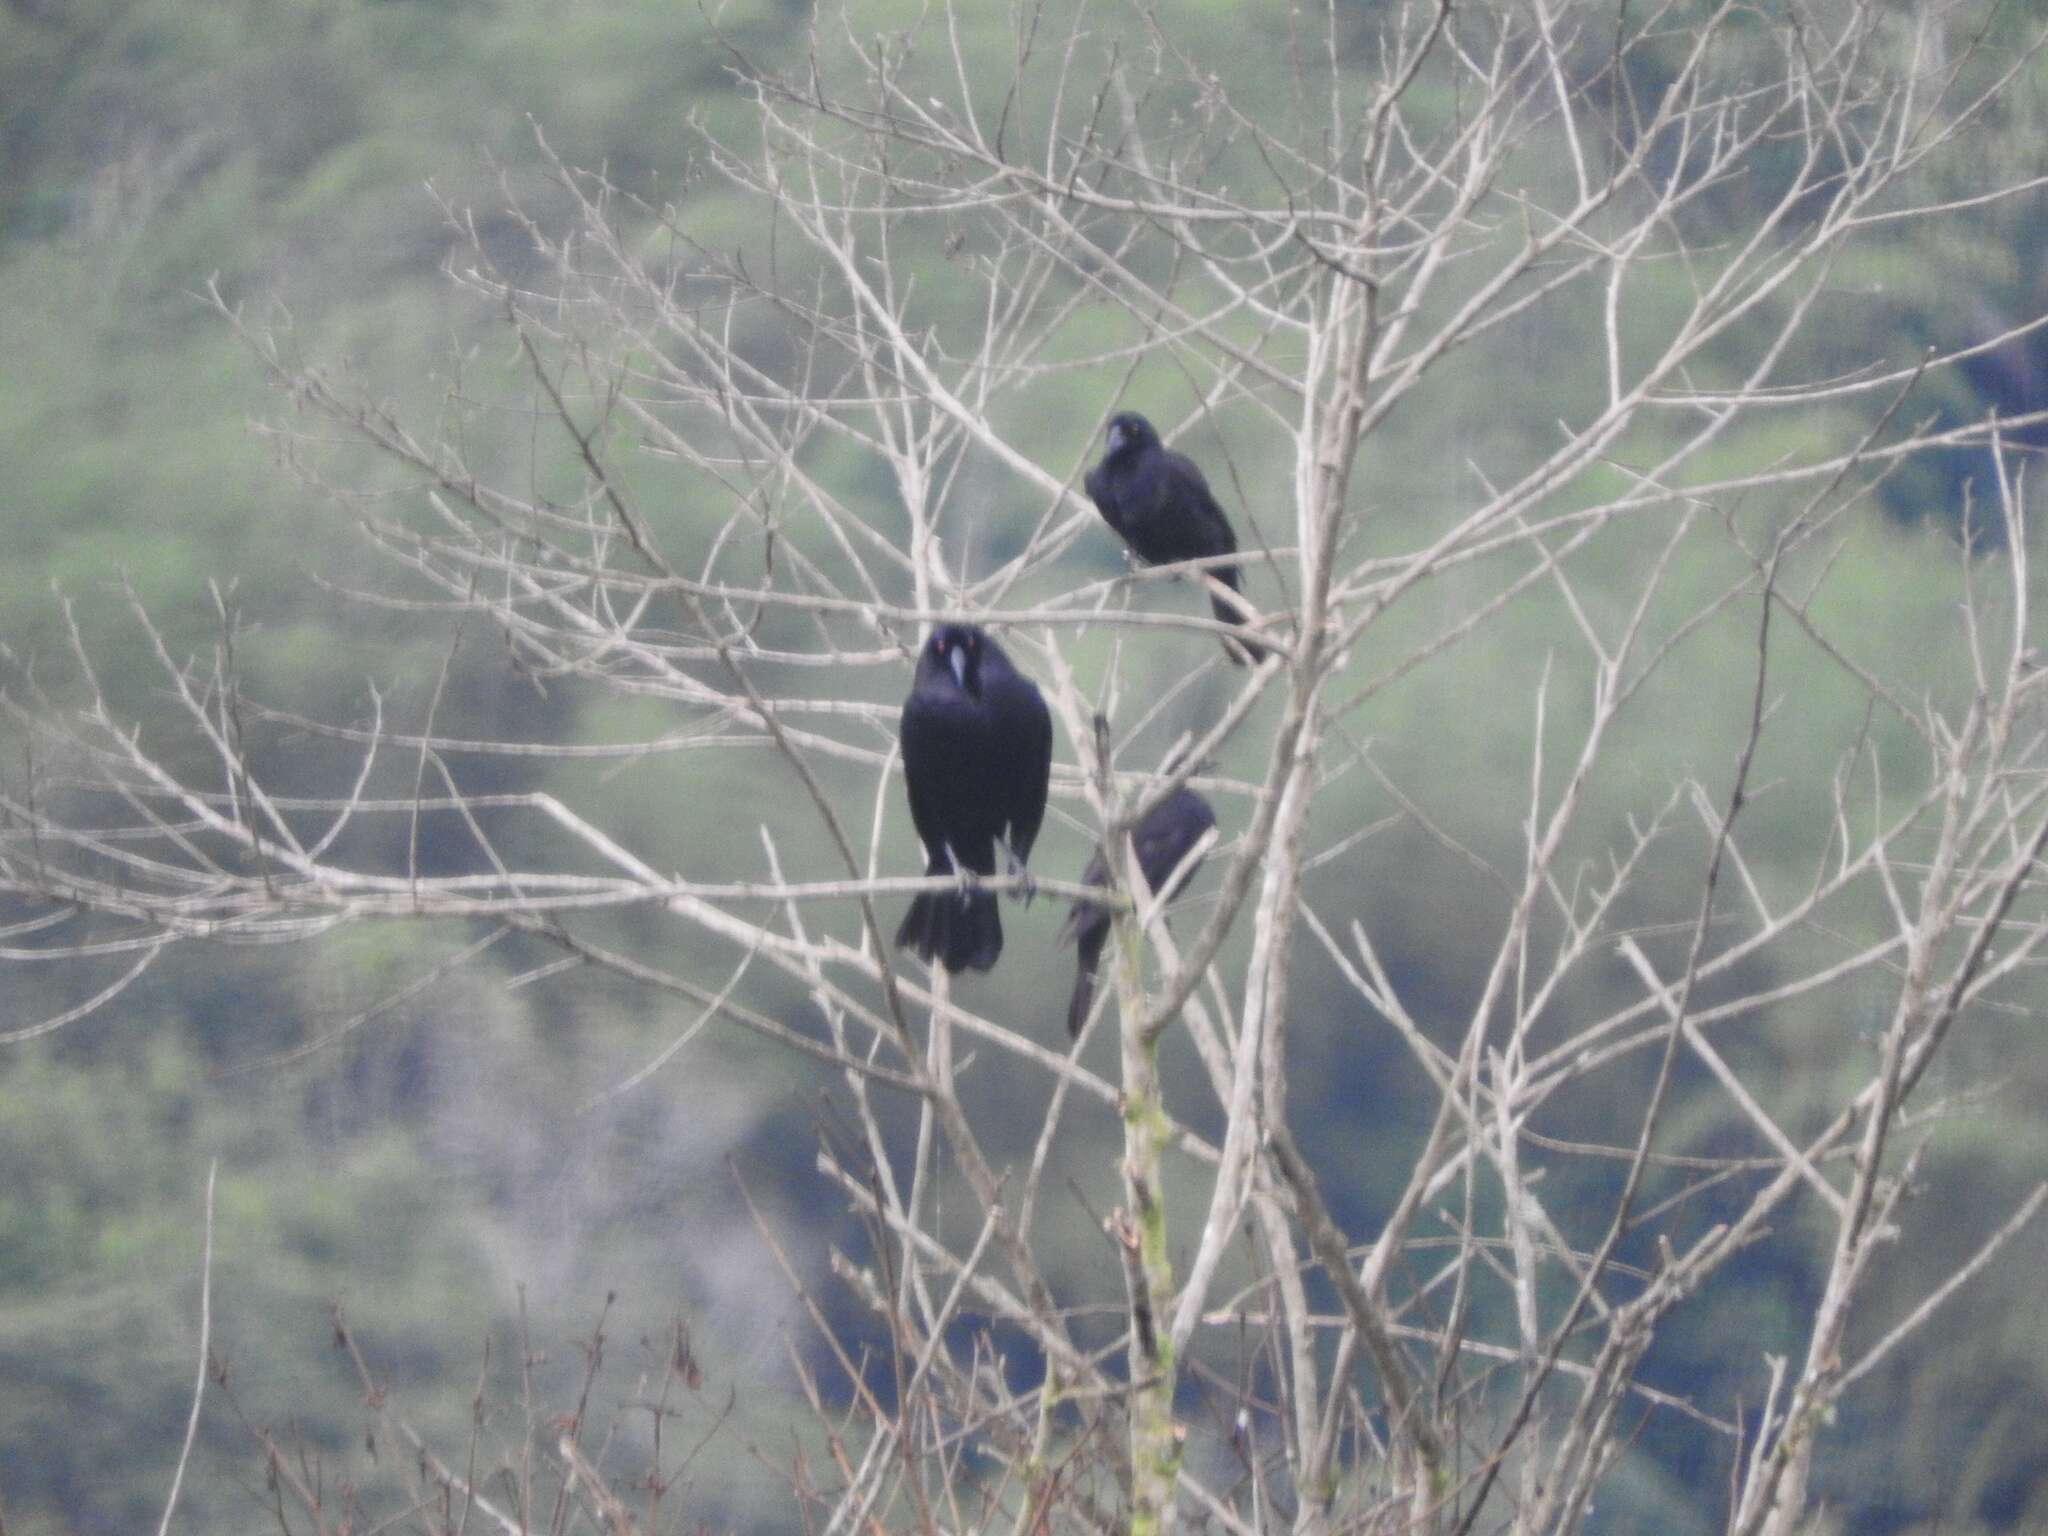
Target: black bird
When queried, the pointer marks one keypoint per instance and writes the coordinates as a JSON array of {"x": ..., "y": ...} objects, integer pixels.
[
  {"x": 977, "y": 755},
  {"x": 1162, "y": 839},
  {"x": 1159, "y": 504}
]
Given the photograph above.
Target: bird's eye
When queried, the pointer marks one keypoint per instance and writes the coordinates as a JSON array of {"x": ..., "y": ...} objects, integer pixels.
[{"x": 968, "y": 641}]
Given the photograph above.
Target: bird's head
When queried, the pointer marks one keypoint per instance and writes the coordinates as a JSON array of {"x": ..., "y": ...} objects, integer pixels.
[
  {"x": 957, "y": 648},
  {"x": 1128, "y": 430}
]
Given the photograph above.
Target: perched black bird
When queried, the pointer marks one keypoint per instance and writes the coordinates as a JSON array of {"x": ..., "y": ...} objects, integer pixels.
[
  {"x": 1160, "y": 505},
  {"x": 977, "y": 755},
  {"x": 1162, "y": 839}
]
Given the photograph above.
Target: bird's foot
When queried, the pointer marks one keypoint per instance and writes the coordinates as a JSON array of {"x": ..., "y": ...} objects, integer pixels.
[
  {"x": 1015, "y": 866},
  {"x": 959, "y": 876}
]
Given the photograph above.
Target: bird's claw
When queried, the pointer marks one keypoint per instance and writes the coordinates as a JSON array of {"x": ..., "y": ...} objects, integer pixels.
[
  {"x": 959, "y": 876},
  {"x": 1015, "y": 866}
]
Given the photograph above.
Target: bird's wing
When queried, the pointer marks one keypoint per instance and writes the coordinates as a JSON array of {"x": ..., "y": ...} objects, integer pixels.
[
  {"x": 1207, "y": 529},
  {"x": 1160, "y": 846},
  {"x": 1096, "y": 484},
  {"x": 926, "y": 763},
  {"x": 1085, "y": 913},
  {"x": 1103, "y": 490},
  {"x": 1026, "y": 730},
  {"x": 1168, "y": 833}
]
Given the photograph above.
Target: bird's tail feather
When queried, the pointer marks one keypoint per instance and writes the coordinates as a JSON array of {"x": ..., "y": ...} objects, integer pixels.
[
  {"x": 1090, "y": 938},
  {"x": 961, "y": 930},
  {"x": 1082, "y": 1001},
  {"x": 1235, "y": 648}
]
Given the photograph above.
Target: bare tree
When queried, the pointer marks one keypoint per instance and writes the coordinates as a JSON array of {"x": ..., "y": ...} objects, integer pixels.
[{"x": 788, "y": 455}]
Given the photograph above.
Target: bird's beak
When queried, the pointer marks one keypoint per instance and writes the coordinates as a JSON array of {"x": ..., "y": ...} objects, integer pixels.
[
  {"x": 958, "y": 658},
  {"x": 1116, "y": 436}
]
